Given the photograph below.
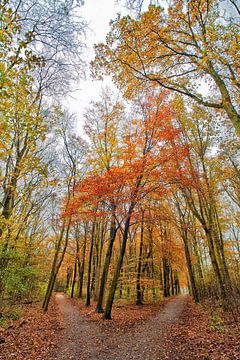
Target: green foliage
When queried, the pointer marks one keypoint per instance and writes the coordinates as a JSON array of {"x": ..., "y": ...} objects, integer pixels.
[{"x": 20, "y": 278}]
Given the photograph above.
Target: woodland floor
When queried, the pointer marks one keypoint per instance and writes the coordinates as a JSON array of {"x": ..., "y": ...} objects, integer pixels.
[{"x": 174, "y": 329}]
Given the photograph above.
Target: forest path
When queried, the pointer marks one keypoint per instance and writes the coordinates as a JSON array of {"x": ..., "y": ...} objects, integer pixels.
[{"x": 85, "y": 340}]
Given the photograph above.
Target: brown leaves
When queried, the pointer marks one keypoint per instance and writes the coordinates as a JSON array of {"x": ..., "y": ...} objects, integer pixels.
[
  {"x": 186, "y": 337},
  {"x": 194, "y": 339},
  {"x": 32, "y": 336}
]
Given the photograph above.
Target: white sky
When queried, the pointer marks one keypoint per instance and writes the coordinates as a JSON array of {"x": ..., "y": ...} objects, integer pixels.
[{"x": 98, "y": 15}]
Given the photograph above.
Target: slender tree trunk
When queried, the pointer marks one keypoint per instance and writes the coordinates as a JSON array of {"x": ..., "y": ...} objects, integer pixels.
[
  {"x": 88, "y": 296},
  {"x": 139, "y": 265},
  {"x": 166, "y": 274},
  {"x": 172, "y": 282},
  {"x": 201, "y": 287},
  {"x": 152, "y": 271},
  {"x": 68, "y": 278},
  {"x": 100, "y": 253},
  {"x": 56, "y": 264},
  {"x": 81, "y": 266},
  {"x": 160, "y": 276},
  {"x": 113, "y": 232},
  {"x": 94, "y": 266},
  {"x": 74, "y": 277},
  {"x": 108, "y": 309},
  {"x": 176, "y": 282},
  {"x": 192, "y": 280},
  {"x": 110, "y": 299}
]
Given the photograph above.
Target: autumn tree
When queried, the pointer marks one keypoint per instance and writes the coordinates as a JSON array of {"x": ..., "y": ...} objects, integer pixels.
[
  {"x": 68, "y": 168},
  {"x": 103, "y": 122},
  {"x": 144, "y": 166},
  {"x": 176, "y": 49},
  {"x": 23, "y": 130},
  {"x": 202, "y": 196}
]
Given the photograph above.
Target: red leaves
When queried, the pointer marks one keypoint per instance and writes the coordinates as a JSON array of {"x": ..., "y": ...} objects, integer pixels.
[{"x": 152, "y": 159}]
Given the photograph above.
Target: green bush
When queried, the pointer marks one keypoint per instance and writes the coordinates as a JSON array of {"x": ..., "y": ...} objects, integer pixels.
[{"x": 21, "y": 279}]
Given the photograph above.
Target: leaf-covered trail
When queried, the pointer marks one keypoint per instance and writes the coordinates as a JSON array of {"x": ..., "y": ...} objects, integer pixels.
[{"x": 83, "y": 339}]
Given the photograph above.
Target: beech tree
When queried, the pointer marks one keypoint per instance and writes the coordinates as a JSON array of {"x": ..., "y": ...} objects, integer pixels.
[
  {"x": 146, "y": 166},
  {"x": 103, "y": 121},
  {"x": 203, "y": 196},
  {"x": 69, "y": 167},
  {"x": 23, "y": 129},
  {"x": 36, "y": 38},
  {"x": 179, "y": 49}
]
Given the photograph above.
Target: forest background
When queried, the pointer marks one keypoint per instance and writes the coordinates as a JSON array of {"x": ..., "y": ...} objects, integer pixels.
[{"x": 147, "y": 204}]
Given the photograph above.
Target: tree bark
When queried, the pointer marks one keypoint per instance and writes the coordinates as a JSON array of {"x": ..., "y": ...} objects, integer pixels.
[
  {"x": 56, "y": 264},
  {"x": 88, "y": 296},
  {"x": 74, "y": 277},
  {"x": 139, "y": 265},
  {"x": 192, "y": 280},
  {"x": 166, "y": 273},
  {"x": 81, "y": 265},
  {"x": 113, "y": 233},
  {"x": 108, "y": 309}
]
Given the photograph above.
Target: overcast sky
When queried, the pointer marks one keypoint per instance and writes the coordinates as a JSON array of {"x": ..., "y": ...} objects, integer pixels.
[{"x": 98, "y": 15}]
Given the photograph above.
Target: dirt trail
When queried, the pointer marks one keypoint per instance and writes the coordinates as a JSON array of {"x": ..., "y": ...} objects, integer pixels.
[{"x": 84, "y": 340}]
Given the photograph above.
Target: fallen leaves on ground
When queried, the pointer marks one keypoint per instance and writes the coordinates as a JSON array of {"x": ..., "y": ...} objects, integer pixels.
[
  {"x": 124, "y": 315},
  {"x": 191, "y": 337},
  {"x": 32, "y": 336}
]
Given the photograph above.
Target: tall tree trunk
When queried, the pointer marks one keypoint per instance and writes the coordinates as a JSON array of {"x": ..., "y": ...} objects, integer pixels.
[
  {"x": 110, "y": 299},
  {"x": 139, "y": 265},
  {"x": 108, "y": 309},
  {"x": 81, "y": 265},
  {"x": 113, "y": 233},
  {"x": 68, "y": 278},
  {"x": 216, "y": 268},
  {"x": 192, "y": 280},
  {"x": 88, "y": 296},
  {"x": 100, "y": 254},
  {"x": 199, "y": 266},
  {"x": 74, "y": 277},
  {"x": 57, "y": 263},
  {"x": 172, "y": 282},
  {"x": 166, "y": 273},
  {"x": 94, "y": 266}
]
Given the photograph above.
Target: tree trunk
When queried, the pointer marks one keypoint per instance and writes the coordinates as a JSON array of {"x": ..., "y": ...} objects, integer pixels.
[
  {"x": 172, "y": 282},
  {"x": 68, "y": 277},
  {"x": 107, "y": 313},
  {"x": 88, "y": 296},
  {"x": 81, "y": 266},
  {"x": 166, "y": 273},
  {"x": 139, "y": 265},
  {"x": 56, "y": 265},
  {"x": 192, "y": 280},
  {"x": 100, "y": 254},
  {"x": 74, "y": 277},
  {"x": 215, "y": 264},
  {"x": 113, "y": 233}
]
